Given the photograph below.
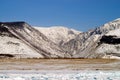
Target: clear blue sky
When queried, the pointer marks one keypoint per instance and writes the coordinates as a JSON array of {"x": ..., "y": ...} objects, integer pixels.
[{"x": 78, "y": 14}]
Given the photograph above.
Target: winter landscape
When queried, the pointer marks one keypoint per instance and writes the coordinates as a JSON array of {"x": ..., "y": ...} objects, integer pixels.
[
  {"x": 45, "y": 53},
  {"x": 20, "y": 40},
  {"x": 59, "y": 40}
]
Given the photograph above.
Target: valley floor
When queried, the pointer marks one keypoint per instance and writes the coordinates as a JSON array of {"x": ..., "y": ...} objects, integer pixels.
[{"x": 59, "y": 64}]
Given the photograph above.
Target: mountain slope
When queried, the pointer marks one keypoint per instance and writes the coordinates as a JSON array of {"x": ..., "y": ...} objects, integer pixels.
[
  {"x": 20, "y": 40},
  {"x": 88, "y": 44},
  {"x": 58, "y": 34},
  {"x": 32, "y": 38}
]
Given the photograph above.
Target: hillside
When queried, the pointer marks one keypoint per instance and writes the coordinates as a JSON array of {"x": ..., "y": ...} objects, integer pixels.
[
  {"x": 58, "y": 34},
  {"x": 92, "y": 44},
  {"x": 20, "y": 40}
]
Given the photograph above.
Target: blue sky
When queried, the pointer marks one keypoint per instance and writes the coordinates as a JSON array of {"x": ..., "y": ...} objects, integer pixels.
[{"x": 78, "y": 14}]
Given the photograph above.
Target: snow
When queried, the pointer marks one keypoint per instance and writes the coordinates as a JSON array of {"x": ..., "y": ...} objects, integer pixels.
[
  {"x": 58, "y": 33},
  {"x": 38, "y": 45},
  {"x": 109, "y": 48},
  {"x": 51, "y": 41},
  {"x": 113, "y": 29},
  {"x": 114, "y": 32},
  {"x": 78, "y": 75},
  {"x": 111, "y": 57},
  {"x": 117, "y": 19},
  {"x": 115, "y": 24},
  {"x": 10, "y": 45},
  {"x": 96, "y": 37}
]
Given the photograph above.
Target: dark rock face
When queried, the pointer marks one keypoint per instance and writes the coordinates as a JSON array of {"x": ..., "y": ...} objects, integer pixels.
[
  {"x": 4, "y": 31},
  {"x": 15, "y": 25},
  {"x": 110, "y": 40},
  {"x": 6, "y": 56}
]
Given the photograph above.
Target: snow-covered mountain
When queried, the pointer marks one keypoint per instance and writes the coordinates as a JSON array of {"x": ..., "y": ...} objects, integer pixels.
[
  {"x": 92, "y": 44},
  {"x": 58, "y": 34},
  {"x": 20, "y": 40}
]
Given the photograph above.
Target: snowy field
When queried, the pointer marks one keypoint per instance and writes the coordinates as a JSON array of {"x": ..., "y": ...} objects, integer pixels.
[{"x": 60, "y": 75}]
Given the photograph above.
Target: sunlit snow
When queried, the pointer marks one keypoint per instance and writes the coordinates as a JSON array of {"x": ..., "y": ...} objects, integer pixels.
[{"x": 78, "y": 75}]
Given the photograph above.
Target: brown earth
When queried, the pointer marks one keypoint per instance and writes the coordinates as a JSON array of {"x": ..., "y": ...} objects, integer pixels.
[{"x": 59, "y": 64}]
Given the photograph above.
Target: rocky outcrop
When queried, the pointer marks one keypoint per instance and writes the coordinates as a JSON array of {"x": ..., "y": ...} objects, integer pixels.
[{"x": 110, "y": 40}]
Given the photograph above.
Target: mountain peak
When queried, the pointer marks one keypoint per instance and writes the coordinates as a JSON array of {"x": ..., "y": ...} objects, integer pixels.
[
  {"x": 16, "y": 25},
  {"x": 117, "y": 19},
  {"x": 58, "y": 33}
]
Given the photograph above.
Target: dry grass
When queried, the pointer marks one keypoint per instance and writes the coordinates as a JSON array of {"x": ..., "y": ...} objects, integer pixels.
[
  {"x": 58, "y": 64},
  {"x": 62, "y": 61}
]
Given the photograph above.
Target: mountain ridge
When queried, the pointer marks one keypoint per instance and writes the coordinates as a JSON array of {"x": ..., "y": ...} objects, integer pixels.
[
  {"x": 34, "y": 39},
  {"x": 84, "y": 40},
  {"x": 58, "y": 34},
  {"x": 59, "y": 42}
]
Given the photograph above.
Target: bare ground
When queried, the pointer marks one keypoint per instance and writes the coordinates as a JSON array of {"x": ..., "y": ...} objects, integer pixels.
[{"x": 59, "y": 64}]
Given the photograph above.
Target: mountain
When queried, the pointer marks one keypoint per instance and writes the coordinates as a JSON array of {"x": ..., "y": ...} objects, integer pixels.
[
  {"x": 96, "y": 43},
  {"x": 58, "y": 34},
  {"x": 20, "y": 40}
]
